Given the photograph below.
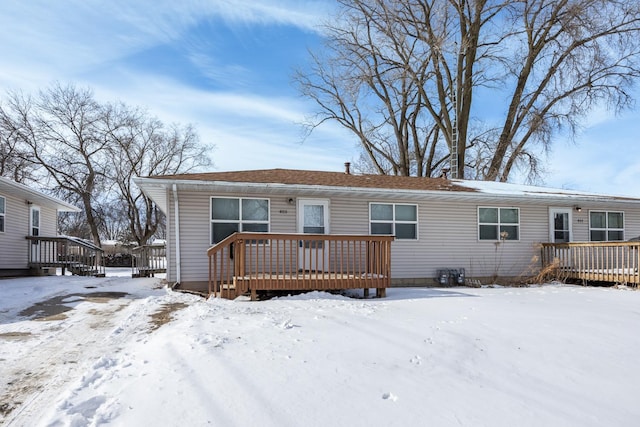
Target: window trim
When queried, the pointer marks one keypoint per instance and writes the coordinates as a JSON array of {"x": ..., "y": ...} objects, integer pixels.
[
  {"x": 394, "y": 221},
  {"x": 3, "y": 214},
  {"x": 606, "y": 229},
  {"x": 239, "y": 221},
  {"x": 518, "y": 224}
]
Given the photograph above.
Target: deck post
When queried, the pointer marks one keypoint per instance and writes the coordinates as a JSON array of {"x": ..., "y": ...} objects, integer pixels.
[{"x": 366, "y": 292}]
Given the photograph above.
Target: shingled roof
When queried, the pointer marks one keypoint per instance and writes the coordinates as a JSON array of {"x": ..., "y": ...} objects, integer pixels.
[{"x": 329, "y": 179}]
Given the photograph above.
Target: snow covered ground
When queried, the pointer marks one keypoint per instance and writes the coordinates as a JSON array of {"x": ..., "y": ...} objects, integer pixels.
[{"x": 127, "y": 352}]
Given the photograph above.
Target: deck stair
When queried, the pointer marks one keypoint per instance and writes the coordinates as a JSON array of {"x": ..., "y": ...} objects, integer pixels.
[{"x": 147, "y": 260}]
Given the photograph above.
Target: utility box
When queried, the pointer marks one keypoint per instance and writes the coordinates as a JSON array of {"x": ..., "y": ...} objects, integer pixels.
[{"x": 451, "y": 277}]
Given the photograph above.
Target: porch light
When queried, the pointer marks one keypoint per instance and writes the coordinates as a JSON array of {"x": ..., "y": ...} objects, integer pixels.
[{"x": 578, "y": 209}]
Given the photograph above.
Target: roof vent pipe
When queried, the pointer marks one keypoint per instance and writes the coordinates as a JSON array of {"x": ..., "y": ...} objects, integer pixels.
[{"x": 347, "y": 168}]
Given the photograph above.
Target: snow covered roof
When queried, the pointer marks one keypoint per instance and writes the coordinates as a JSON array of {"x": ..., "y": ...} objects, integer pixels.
[
  {"x": 15, "y": 189},
  {"x": 290, "y": 180}
]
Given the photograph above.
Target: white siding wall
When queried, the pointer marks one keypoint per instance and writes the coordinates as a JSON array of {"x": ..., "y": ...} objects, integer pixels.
[
  {"x": 13, "y": 244},
  {"x": 448, "y": 234}
]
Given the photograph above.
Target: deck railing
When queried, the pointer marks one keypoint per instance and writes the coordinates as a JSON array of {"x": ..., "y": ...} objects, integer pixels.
[
  {"x": 615, "y": 262},
  {"x": 251, "y": 262},
  {"x": 147, "y": 260},
  {"x": 78, "y": 256}
]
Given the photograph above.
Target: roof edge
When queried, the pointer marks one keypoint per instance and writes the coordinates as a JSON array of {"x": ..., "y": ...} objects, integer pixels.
[
  {"x": 61, "y": 205},
  {"x": 471, "y": 193}
]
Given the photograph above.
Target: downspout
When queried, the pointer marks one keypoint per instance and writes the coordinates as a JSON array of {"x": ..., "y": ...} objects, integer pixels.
[{"x": 176, "y": 214}]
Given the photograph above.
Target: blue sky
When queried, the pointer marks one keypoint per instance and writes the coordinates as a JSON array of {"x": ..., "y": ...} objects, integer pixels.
[{"x": 226, "y": 67}]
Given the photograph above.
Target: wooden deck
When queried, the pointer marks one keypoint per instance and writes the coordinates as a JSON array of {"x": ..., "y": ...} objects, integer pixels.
[
  {"x": 147, "y": 260},
  {"x": 613, "y": 262},
  {"x": 252, "y": 262},
  {"x": 67, "y": 253}
]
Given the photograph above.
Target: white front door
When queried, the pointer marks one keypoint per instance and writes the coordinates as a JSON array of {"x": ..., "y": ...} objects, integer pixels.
[
  {"x": 34, "y": 230},
  {"x": 560, "y": 225},
  {"x": 313, "y": 218}
]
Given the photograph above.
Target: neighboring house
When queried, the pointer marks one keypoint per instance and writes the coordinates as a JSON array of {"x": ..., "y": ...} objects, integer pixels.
[
  {"x": 25, "y": 212},
  {"x": 491, "y": 230}
]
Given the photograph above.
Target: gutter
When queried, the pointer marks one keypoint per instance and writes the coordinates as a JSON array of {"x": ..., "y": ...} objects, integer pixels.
[{"x": 177, "y": 228}]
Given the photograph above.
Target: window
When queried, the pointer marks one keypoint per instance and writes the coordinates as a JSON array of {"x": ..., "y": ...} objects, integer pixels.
[
  {"x": 395, "y": 219},
  {"x": 230, "y": 215},
  {"x": 606, "y": 226},
  {"x": 3, "y": 207},
  {"x": 499, "y": 223}
]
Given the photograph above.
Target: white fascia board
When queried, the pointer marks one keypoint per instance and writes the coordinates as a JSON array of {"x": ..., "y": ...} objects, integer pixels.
[
  {"x": 155, "y": 190},
  {"x": 36, "y": 197}
]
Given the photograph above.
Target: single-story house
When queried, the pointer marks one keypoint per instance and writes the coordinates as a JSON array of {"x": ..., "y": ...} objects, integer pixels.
[
  {"x": 484, "y": 230},
  {"x": 25, "y": 212}
]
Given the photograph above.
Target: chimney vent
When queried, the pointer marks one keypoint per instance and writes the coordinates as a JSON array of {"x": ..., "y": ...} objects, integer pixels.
[{"x": 347, "y": 168}]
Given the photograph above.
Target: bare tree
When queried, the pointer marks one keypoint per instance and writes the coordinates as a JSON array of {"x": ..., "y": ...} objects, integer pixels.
[
  {"x": 15, "y": 162},
  {"x": 147, "y": 147},
  {"x": 404, "y": 76},
  {"x": 91, "y": 151},
  {"x": 64, "y": 130}
]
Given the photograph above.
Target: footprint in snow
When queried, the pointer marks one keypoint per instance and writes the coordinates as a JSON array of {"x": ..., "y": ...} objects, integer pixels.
[
  {"x": 287, "y": 324},
  {"x": 390, "y": 396}
]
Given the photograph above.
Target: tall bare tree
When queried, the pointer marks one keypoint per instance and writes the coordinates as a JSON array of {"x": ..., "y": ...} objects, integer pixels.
[
  {"x": 148, "y": 147},
  {"x": 91, "y": 151},
  {"x": 15, "y": 161},
  {"x": 64, "y": 130},
  {"x": 404, "y": 77}
]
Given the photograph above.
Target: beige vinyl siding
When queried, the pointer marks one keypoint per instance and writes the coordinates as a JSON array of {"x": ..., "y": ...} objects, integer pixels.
[
  {"x": 194, "y": 235},
  {"x": 580, "y": 220},
  {"x": 13, "y": 245},
  {"x": 282, "y": 215},
  {"x": 48, "y": 221},
  {"x": 447, "y": 232},
  {"x": 195, "y": 230},
  {"x": 447, "y": 238}
]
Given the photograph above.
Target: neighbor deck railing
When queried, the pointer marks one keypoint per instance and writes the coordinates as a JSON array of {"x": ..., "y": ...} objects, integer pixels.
[
  {"x": 147, "y": 260},
  {"x": 615, "y": 262},
  {"x": 78, "y": 256},
  {"x": 251, "y": 262}
]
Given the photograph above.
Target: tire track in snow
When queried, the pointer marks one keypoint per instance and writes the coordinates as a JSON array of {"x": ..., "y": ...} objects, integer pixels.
[{"x": 84, "y": 337}]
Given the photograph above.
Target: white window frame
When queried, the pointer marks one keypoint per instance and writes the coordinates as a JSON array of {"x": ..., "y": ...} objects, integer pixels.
[
  {"x": 606, "y": 228},
  {"x": 239, "y": 221},
  {"x": 393, "y": 221},
  {"x": 498, "y": 224},
  {"x": 3, "y": 214}
]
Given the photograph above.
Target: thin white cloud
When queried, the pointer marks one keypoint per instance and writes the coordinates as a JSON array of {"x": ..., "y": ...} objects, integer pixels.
[
  {"x": 249, "y": 131},
  {"x": 55, "y": 39},
  {"x": 598, "y": 164}
]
